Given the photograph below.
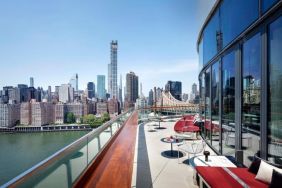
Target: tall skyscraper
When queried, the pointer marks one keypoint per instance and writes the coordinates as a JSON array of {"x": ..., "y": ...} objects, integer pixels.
[
  {"x": 31, "y": 82},
  {"x": 151, "y": 97},
  {"x": 112, "y": 71},
  {"x": 175, "y": 88},
  {"x": 194, "y": 89},
  {"x": 66, "y": 93},
  {"x": 90, "y": 90},
  {"x": 131, "y": 87},
  {"x": 120, "y": 92},
  {"x": 74, "y": 82},
  {"x": 101, "y": 91}
]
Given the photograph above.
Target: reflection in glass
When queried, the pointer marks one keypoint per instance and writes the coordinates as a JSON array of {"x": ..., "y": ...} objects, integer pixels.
[
  {"x": 275, "y": 91},
  {"x": 207, "y": 104},
  {"x": 214, "y": 126},
  {"x": 228, "y": 104},
  {"x": 210, "y": 38},
  {"x": 267, "y": 4},
  {"x": 237, "y": 15},
  {"x": 201, "y": 63},
  {"x": 202, "y": 104},
  {"x": 251, "y": 80}
]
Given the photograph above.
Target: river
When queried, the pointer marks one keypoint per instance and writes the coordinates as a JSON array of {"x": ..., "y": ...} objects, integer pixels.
[{"x": 20, "y": 151}]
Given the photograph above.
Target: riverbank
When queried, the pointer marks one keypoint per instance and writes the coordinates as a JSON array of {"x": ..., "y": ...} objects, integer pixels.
[{"x": 47, "y": 128}]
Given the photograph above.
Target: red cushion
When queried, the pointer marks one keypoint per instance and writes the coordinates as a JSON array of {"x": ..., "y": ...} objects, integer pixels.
[
  {"x": 248, "y": 177},
  {"x": 217, "y": 177},
  {"x": 187, "y": 126}
]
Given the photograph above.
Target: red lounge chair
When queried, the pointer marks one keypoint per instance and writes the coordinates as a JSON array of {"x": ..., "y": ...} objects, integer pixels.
[{"x": 217, "y": 177}]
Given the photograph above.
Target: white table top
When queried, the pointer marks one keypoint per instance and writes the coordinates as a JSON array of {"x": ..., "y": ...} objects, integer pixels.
[{"x": 213, "y": 160}]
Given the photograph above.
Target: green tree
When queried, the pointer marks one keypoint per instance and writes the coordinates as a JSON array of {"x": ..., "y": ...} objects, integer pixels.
[
  {"x": 105, "y": 117},
  {"x": 70, "y": 117}
]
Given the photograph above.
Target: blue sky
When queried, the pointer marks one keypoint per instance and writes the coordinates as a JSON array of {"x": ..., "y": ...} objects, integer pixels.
[{"x": 52, "y": 40}]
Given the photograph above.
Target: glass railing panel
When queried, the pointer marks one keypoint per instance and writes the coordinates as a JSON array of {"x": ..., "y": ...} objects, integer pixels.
[
  {"x": 64, "y": 167},
  {"x": 93, "y": 148}
]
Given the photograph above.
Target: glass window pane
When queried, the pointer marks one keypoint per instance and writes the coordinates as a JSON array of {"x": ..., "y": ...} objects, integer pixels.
[
  {"x": 251, "y": 80},
  {"x": 215, "y": 106},
  {"x": 207, "y": 104},
  {"x": 210, "y": 37},
  {"x": 228, "y": 104},
  {"x": 275, "y": 91},
  {"x": 236, "y": 15},
  {"x": 201, "y": 63},
  {"x": 267, "y": 4},
  {"x": 202, "y": 106}
]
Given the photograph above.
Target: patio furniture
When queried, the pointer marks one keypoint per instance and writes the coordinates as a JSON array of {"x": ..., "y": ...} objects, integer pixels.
[
  {"x": 233, "y": 177},
  {"x": 193, "y": 148},
  {"x": 172, "y": 140}
]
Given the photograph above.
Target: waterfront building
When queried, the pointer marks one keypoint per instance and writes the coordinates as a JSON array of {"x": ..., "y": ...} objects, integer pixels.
[
  {"x": 101, "y": 91},
  {"x": 59, "y": 113},
  {"x": 90, "y": 90},
  {"x": 112, "y": 71},
  {"x": 77, "y": 109},
  {"x": 25, "y": 113},
  {"x": 101, "y": 107},
  {"x": 9, "y": 115},
  {"x": 113, "y": 106},
  {"x": 151, "y": 98},
  {"x": 42, "y": 113},
  {"x": 241, "y": 79},
  {"x": 131, "y": 87},
  {"x": 175, "y": 88},
  {"x": 31, "y": 82}
]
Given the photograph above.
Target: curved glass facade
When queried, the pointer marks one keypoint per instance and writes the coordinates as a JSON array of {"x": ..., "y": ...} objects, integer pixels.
[{"x": 241, "y": 79}]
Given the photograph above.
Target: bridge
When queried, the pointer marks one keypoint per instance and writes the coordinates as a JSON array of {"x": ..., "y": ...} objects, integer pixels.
[{"x": 166, "y": 103}]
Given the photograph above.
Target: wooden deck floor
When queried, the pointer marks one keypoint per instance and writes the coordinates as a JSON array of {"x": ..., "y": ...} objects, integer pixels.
[{"x": 115, "y": 168}]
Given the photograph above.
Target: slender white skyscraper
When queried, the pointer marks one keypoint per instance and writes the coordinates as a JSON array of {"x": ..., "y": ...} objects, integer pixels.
[
  {"x": 74, "y": 82},
  {"x": 112, "y": 71}
]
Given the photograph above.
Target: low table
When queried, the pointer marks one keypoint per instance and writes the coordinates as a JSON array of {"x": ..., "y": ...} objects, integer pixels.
[
  {"x": 213, "y": 160},
  {"x": 171, "y": 140}
]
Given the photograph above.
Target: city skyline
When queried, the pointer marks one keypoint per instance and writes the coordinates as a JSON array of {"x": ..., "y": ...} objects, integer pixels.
[{"x": 61, "y": 39}]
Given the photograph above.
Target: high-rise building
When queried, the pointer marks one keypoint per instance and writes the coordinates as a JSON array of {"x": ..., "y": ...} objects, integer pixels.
[
  {"x": 90, "y": 90},
  {"x": 131, "y": 87},
  {"x": 9, "y": 114},
  {"x": 120, "y": 92},
  {"x": 101, "y": 91},
  {"x": 151, "y": 98},
  {"x": 112, "y": 71},
  {"x": 66, "y": 93},
  {"x": 31, "y": 82},
  {"x": 113, "y": 106},
  {"x": 101, "y": 107},
  {"x": 42, "y": 113},
  {"x": 49, "y": 93},
  {"x": 74, "y": 82},
  {"x": 175, "y": 88},
  {"x": 25, "y": 113},
  {"x": 194, "y": 89}
]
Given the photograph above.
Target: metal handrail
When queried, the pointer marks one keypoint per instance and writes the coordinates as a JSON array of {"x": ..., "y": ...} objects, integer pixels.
[{"x": 65, "y": 151}]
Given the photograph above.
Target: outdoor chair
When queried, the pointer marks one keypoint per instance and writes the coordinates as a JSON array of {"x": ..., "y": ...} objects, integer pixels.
[{"x": 194, "y": 147}]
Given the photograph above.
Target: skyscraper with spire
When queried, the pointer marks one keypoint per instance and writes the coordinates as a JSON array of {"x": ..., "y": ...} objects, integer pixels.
[{"x": 112, "y": 71}]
